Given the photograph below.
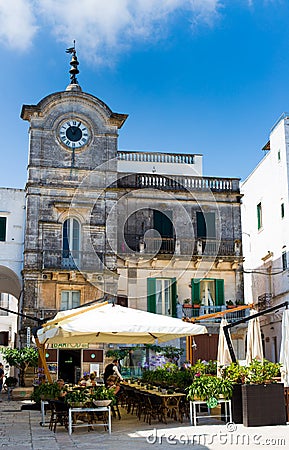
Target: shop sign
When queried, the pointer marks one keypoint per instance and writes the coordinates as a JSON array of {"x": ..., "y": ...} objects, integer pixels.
[{"x": 64, "y": 345}]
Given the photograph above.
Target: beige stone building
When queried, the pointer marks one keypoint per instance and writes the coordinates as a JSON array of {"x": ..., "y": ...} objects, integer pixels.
[{"x": 146, "y": 230}]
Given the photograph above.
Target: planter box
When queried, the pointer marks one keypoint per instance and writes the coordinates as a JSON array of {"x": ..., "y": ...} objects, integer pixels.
[
  {"x": 263, "y": 404},
  {"x": 237, "y": 404}
]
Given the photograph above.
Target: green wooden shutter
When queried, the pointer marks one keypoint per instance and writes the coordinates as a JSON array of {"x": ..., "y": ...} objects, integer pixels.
[
  {"x": 174, "y": 297},
  {"x": 219, "y": 286},
  {"x": 195, "y": 290},
  {"x": 2, "y": 229},
  {"x": 151, "y": 295}
]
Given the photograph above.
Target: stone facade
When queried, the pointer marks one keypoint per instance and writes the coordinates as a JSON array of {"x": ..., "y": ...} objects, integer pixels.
[{"x": 101, "y": 222}]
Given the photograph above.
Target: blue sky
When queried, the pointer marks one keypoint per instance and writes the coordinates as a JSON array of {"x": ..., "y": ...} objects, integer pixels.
[{"x": 195, "y": 76}]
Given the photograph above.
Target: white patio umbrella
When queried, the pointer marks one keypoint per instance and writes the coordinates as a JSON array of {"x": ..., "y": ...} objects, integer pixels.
[
  {"x": 223, "y": 358},
  {"x": 108, "y": 323},
  {"x": 254, "y": 341},
  {"x": 284, "y": 349}
]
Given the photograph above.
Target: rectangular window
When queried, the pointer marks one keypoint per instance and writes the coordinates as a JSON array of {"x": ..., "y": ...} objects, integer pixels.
[
  {"x": 4, "y": 303},
  {"x": 282, "y": 210},
  {"x": 69, "y": 300},
  {"x": 208, "y": 292},
  {"x": 206, "y": 224},
  {"x": 161, "y": 296},
  {"x": 259, "y": 215},
  {"x": 284, "y": 260},
  {"x": 3, "y": 221}
]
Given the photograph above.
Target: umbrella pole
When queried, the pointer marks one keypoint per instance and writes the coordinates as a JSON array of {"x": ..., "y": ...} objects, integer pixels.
[{"x": 41, "y": 351}]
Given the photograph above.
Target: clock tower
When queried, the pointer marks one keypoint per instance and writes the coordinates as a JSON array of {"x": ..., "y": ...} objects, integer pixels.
[{"x": 68, "y": 259}]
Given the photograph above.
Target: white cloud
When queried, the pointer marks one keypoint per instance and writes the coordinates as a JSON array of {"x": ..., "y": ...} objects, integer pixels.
[
  {"x": 17, "y": 24},
  {"x": 102, "y": 28}
]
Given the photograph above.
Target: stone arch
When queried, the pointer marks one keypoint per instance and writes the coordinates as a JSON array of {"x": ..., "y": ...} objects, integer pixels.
[{"x": 9, "y": 282}]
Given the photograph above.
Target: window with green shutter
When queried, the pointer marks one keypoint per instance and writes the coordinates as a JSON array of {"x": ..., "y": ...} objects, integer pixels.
[
  {"x": 3, "y": 229},
  {"x": 162, "y": 296},
  {"x": 209, "y": 291},
  {"x": 259, "y": 215},
  {"x": 206, "y": 224}
]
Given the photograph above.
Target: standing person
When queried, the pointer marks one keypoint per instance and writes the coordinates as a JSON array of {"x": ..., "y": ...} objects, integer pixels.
[
  {"x": 1, "y": 378},
  {"x": 111, "y": 369}
]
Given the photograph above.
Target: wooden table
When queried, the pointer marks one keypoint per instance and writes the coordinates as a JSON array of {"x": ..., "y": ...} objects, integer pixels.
[
  {"x": 100, "y": 409},
  {"x": 171, "y": 402}
]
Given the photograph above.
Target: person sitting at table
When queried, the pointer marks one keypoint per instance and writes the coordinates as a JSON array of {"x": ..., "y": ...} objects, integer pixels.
[
  {"x": 83, "y": 381},
  {"x": 113, "y": 383},
  {"x": 63, "y": 392},
  {"x": 91, "y": 381}
]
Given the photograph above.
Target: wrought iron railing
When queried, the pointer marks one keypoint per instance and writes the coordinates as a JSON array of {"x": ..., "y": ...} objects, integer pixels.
[
  {"x": 73, "y": 260},
  {"x": 203, "y": 310},
  {"x": 169, "y": 245}
]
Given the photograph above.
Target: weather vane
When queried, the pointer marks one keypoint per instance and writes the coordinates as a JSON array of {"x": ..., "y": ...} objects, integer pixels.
[{"x": 74, "y": 63}]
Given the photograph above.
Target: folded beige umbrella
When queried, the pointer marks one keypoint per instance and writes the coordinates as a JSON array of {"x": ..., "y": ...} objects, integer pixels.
[
  {"x": 224, "y": 358},
  {"x": 254, "y": 341}
]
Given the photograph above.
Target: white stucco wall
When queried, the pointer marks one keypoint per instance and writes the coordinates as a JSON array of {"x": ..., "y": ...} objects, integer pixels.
[
  {"x": 268, "y": 185},
  {"x": 12, "y": 206}
]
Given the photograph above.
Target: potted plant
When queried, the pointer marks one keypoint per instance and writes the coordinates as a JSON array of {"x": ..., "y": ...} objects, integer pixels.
[
  {"x": 236, "y": 374},
  {"x": 45, "y": 391},
  {"x": 103, "y": 396},
  {"x": 262, "y": 397},
  {"x": 210, "y": 388},
  {"x": 11, "y": 382},
  {"x": 197, "y": 303},
  {"x": 230, "y": 304},
  {"x": 77, "y": 397},
  {"x": 187, "y": 303}
]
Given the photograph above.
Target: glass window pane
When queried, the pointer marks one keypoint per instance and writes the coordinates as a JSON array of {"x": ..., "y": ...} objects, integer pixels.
[
  {"x": 159, "y": 296},
  {"x": 75, "y": 298},
  {"x": 64, "y": 300}
]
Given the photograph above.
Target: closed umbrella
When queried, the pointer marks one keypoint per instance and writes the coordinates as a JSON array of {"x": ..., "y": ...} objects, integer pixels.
[
  {"x": 284, "y": 350},
  {"x": 224, "y": 358},
  {"x": 254, "y": 341}
]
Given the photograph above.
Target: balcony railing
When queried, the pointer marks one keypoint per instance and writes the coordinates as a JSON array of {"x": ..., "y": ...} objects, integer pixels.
[
  {"x": 185, "y": 247},
  {"x": 155, "y": 157},
  {"x": 179, "y": 183},
  {"x": 74, "y": 260},
  {"x": 203, "y": 310}
]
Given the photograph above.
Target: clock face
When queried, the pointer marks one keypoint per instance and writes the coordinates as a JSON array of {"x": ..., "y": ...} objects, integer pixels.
[{"x": 74, "y": 134}]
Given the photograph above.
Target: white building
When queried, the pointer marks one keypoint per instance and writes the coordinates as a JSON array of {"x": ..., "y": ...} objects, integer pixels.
[
  {"x": 12, "y": 220},
  {"x": 265, "y": 225}
]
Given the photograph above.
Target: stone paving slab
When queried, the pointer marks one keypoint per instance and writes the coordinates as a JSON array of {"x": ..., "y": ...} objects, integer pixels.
[{"x": 21, "y": 430}]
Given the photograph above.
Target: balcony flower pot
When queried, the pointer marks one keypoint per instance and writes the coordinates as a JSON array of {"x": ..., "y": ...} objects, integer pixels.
[{"x": 263, "y": 404}]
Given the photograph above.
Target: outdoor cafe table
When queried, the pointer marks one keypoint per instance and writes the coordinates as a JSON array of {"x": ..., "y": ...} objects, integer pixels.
[
  {"x": 99, "y": 409},
  {"x": 170, "y": 401}
]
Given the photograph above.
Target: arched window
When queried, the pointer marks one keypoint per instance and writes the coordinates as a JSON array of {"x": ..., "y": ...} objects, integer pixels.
[{"x": 71, "y": 240}]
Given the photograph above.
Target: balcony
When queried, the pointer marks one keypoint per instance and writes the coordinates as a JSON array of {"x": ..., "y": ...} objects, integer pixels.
[
  {"x": 75, "y": 260},
  {"x": 203, "y": 310},
  {"x": 179, "y": 183},
  {"x": 184, "y": 247}
]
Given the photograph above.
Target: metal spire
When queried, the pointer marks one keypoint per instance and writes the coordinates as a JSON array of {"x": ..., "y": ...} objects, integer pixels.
[{"x": 74, "y": 63}]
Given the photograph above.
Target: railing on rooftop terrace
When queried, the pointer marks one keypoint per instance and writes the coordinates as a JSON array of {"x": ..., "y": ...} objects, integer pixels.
[
  {"x": 179, "y": 183},
  {"x": 175, "y": 158}
]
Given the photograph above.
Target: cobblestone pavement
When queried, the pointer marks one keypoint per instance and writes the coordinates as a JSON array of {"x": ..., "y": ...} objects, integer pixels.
[{"x": 21, "y": 430}]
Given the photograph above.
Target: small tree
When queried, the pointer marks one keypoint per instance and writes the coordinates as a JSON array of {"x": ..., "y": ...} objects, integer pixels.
[{"x": 21, "y": 359}]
